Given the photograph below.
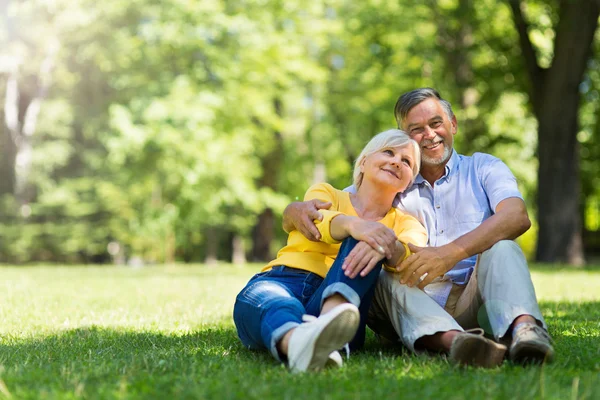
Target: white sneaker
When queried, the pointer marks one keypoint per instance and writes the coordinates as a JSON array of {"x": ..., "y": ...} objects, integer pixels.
[
  {"x": 314, "y": 343},
  {"x": 334, "y": 360}
]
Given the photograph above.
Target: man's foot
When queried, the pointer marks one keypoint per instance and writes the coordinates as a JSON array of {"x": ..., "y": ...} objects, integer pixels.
[
  {"x": 472, "y": 348},
  {"x": 312, "y": 343},
  {"x": 530, "y": 344}
]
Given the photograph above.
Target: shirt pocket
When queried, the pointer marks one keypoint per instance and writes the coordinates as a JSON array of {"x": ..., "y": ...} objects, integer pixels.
[{"x": 471, "y": 218}]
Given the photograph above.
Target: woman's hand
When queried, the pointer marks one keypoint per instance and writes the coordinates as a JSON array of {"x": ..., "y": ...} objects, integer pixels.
[
  {"x": 381, "y": 238},
  {"x": 362, "y": 259}
]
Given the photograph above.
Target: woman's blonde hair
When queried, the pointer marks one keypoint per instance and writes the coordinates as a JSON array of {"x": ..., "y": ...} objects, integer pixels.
[{"x": 387, "y": 139}]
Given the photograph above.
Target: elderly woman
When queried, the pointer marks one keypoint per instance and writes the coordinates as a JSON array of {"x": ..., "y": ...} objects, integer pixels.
[{"x": 303, "y": 307}]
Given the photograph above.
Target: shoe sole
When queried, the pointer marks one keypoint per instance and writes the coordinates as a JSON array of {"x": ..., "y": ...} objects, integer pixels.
[
  {"x": 531, "y": 353},
  {"x": 477, "y": 351},
  {"x": 340, "y": 326}
]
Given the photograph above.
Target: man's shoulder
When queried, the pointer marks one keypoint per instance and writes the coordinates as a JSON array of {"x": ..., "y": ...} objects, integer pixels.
[
  {"x": 480, "y": 162},
  {"x": 478, "y": 158}
]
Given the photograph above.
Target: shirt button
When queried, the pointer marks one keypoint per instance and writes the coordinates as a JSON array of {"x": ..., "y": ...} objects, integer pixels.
[
  {"x": 437, "y": 206},
  {"x": 442, "y": 231}
]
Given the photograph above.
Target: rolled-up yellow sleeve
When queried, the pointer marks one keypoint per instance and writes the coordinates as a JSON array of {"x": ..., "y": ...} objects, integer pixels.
[
  {"x": 409, "y": 230},
  {"x": 324, "y": 226},
  {"x": 325, "y": 192},
  {"x": 407, "y": 252}
]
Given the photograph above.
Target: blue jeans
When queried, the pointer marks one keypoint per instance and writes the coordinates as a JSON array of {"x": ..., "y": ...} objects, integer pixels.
[{"x": 274, "y": 301}]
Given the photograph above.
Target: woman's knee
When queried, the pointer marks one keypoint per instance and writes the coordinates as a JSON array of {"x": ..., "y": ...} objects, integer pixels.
[{"x": 264, "y": 302}]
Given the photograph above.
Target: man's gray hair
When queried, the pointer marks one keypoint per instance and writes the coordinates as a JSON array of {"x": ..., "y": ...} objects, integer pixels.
[{"x": 408, "y": 100}]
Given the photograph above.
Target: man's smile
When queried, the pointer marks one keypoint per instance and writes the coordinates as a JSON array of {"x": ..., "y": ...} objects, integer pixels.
[{"x": 432, "y": 146}]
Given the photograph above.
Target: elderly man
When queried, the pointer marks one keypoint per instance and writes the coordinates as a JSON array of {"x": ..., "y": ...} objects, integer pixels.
[{"x": 472, "y": 274}]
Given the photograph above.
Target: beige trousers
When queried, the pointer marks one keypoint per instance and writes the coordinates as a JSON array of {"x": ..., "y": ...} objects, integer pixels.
[{"x": 499, "y": 291}]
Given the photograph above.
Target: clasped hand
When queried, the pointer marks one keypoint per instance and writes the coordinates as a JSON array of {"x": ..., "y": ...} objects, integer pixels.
[
  {"x": 426, "y": 262},
  {"x": 376, "y": 243}
]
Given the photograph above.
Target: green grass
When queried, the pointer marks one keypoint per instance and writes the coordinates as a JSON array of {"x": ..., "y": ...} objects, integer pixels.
[{"x": 167, "y": 332}]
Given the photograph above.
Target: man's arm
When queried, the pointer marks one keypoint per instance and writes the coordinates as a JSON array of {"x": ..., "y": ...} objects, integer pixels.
[
  {"x": 509, "y": 222},
  {"x": 300, "y": 215}
]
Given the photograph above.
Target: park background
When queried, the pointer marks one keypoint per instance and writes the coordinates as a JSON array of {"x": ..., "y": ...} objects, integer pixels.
[
  {"x": 164, "y": 131},
  {"x": 167, "y": 137}
]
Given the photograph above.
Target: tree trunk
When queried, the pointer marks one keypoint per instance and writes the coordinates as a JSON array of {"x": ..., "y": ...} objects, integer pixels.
[
  {"x": 262, "y": 233},
  {"x": 238, "y": 254},
  {"x": 212, "y": 244},
  {"x": 10, "y": 136},
  {"x": 554, "y": 93},
  {"x": 8, "y": 154},
  {"x": 21, "y": 112},
  {"x": 559, "y": 236}
]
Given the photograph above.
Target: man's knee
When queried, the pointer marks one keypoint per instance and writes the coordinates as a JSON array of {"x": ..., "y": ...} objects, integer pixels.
[
  {"x": 386, "y": 279},
  {"x": 503, "y": 247},
  {"x": 502, "y": 257},
  {"x": 503, "y": 250}
]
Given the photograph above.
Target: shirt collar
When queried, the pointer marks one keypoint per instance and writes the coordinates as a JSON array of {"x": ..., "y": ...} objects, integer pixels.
[{"x": 450, "y": 168}]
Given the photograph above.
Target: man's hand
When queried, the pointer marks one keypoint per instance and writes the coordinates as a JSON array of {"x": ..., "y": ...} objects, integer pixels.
[
  {"x": 300, "y": 215},
  {"x": 362, "y": 259},
  {"x": 433, "y": 261}
]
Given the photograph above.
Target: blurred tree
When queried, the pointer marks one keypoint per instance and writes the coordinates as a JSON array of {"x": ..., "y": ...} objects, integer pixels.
[
  {"x": 556, "y": 72},
  {"x": 173, "y": 130},
  {"x": 27, "y": 83}
]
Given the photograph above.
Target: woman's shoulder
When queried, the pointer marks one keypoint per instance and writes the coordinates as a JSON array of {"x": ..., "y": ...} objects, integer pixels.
[
  {"x": 324, "y": 187},
  {"x": 403, "y": 217},
  {"x": 326, "y": 192}
]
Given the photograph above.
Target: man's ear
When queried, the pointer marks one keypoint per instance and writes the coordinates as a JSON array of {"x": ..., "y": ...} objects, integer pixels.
[{"x": 454, "y": 124}]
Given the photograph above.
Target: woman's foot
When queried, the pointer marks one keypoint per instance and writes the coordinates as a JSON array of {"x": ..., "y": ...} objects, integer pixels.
[{"x": 311, "y": 343}]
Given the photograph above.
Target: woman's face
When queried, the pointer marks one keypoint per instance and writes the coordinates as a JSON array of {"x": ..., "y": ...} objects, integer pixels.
[{"x": 390, "y": 166}]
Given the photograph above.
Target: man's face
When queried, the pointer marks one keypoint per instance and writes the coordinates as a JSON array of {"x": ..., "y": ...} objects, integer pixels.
[{"x": 428, "y": 124}]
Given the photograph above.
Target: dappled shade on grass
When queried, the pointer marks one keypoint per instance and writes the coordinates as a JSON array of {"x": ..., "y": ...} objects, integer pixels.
[{"x": 187, "y": 358}]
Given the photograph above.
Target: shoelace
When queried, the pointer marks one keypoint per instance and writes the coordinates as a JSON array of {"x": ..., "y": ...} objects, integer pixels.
[
  {"x": 310, "y": 318},
  {"x": 526, "y": 327},
  {"x": 475, "y": 331}
]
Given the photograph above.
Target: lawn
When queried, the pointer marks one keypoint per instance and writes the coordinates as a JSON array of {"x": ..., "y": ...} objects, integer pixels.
[{"x": 167, "y": 332}]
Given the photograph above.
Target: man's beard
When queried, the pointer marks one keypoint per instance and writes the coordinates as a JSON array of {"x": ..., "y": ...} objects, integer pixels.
[{"x": 440, "y": 160}]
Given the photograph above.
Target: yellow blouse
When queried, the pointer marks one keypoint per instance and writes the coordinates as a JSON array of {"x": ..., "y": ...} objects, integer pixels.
[{"x": 318, "y": 257}]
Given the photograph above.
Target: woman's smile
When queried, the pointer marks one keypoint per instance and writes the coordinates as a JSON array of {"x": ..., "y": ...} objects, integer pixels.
[{"x": 391, "y": 172}]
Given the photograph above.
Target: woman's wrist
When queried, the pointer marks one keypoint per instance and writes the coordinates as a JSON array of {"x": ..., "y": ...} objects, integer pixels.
[
  {"x": 341, "y": 226},
  {"x": 397, "y": 255}
]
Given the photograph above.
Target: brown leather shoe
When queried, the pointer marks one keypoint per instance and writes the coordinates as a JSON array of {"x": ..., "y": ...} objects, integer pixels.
[
  {"x": 472, "y": 348},
  {"x": 531, "y": 344}
]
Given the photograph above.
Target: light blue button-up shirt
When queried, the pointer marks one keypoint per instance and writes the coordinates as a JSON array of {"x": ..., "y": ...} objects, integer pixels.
[
  {"x": 467, "y": 194},
  {"x": 459, "y": 202}
]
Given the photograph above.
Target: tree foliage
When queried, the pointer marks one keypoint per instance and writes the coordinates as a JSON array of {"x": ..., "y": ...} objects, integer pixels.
[{"x": 173, "y": 130}]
